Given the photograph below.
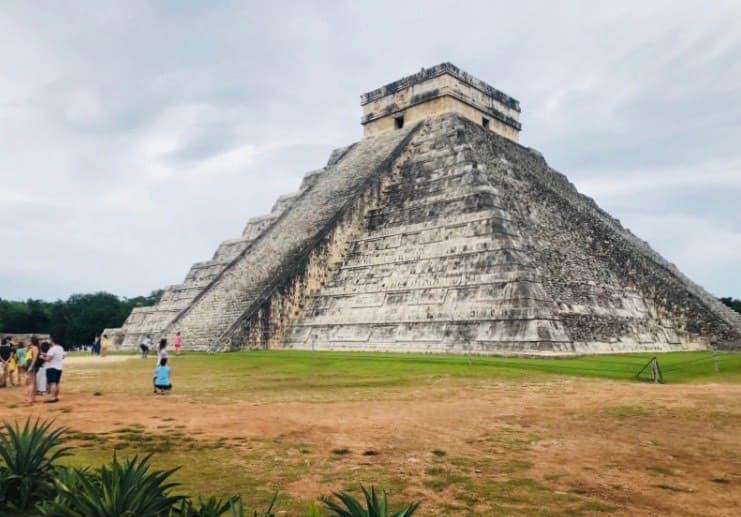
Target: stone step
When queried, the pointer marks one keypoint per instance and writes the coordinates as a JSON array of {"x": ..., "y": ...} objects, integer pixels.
[
  {"x": 447, "y": 331},
  {"x": 456, "y": 221}
]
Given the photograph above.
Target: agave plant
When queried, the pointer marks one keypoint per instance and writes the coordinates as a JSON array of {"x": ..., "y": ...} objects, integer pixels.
[
  {"x": 29, "y": 455},
  {"x": 374, "y": 506},
  {"x": 217, "y": 507},
  {"x": 119, "y": 489},
  {"x": 211, "y": 507}
]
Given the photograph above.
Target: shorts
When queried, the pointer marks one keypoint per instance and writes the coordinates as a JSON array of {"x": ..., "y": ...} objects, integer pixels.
[
  {"x": 163, "y": 386},
  {"x": 53, "y": 376}
]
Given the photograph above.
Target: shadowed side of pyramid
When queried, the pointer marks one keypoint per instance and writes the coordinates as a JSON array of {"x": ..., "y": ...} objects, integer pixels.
[{"x": 480, "y": 246}]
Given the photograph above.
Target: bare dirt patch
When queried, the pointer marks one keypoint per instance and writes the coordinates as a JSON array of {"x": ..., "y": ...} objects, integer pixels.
[
  {"x": 571, "y": 446},
  {"x": 76, "y": 360}
]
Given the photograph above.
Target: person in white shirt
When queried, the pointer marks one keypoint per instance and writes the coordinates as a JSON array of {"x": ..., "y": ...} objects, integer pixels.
[
  {"x": 145, "y": 346},
  {"x": 53, "y": 358}
]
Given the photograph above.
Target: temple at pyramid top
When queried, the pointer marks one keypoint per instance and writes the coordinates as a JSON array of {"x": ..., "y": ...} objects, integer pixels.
[{"x": 444, "y": 88}]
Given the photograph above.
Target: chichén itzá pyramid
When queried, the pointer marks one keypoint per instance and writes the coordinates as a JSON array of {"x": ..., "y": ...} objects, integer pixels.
[{"x": 437, "y": 232}]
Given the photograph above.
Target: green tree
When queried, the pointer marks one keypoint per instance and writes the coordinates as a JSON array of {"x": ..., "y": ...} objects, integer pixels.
[
  {"x": 89, "y": 314},
  {"x": 14, "y": 316},
  {"x": 733, "y": 303},
  {"x": 38, "y": 316},
  {"x": 58, "y": 321},
  {"x": 74, "y": 321}
]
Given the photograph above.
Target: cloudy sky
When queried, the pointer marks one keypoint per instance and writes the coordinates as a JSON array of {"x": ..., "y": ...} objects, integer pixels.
[{"x": 135, "y": 136}]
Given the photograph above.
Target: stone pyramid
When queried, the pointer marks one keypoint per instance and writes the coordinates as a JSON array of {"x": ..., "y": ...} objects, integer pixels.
[{"x": 437, "y": 232}]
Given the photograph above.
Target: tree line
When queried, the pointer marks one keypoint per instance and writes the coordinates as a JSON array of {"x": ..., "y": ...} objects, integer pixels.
[
  {"x": 77, "y": 319},
  {"x": 72, "y": 321},
  {"x": 732, "y": 303}
]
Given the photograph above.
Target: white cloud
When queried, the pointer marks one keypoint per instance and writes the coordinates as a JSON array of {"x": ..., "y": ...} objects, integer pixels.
[
  {"x": 137, "y": 136},
  {"x": 702, "y": 247},
  {"x": 712, "y": 174}
]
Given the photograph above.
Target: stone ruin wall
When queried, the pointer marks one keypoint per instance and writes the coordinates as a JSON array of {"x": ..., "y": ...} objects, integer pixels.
[
  {"x": 605, "y": 289},
  {"x": 247, "y": 284},
  {"x": 442, "y": 104},
  {"x": 600, "y": 272},
  {"x": 547, "y": 271},
  {"x": 436, "y": 268},
  {"x": 439, "y": 90},
  {"x": 268, "y": 326}
]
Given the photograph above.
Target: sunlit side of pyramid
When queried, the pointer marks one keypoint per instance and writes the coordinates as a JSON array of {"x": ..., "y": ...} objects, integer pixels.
[{"x": 437, "y": 232}]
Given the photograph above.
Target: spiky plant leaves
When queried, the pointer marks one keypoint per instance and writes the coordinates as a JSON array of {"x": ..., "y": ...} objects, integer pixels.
[
  {"x": 66, "y": 480},
  {"x": 313, "y": 510},
  {"x": 269, "y": 511},
  {"x": 211, "y": 507},
  {"x": 374, "y": 507},
  {"x": 120, "y": 489},
  {"x": 352, "y": 507},
  {"x": 408, "y": 511},
  {"x": 29, "y": 455}
]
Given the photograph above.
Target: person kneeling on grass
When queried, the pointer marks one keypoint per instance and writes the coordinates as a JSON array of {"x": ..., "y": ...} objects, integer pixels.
[{"x": 162, "y": 377}]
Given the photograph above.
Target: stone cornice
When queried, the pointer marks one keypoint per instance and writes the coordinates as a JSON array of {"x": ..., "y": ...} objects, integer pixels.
[
  {"x": 430, "y": 73},
  {"x": 493, "y": 112}
]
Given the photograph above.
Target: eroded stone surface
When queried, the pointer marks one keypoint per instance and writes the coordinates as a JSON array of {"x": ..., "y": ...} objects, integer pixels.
[{"x": 439, "y": 237}]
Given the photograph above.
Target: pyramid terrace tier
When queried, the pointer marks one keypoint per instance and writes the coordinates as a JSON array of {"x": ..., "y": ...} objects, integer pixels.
[{"x": 445, "y": 237}]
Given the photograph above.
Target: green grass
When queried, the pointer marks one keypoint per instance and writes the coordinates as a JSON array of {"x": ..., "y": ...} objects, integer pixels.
[
  {"x": 316, "y": 376},
  {"x": 203, "y": 464},
  {"x": 496, "y": 476}
]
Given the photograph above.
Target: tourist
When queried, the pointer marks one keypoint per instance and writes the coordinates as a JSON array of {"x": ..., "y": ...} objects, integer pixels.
[
  {"x": 162, "y": 350},
  {"x": 12, "y": 365},
  {"x": 161, "y": 378},
  {"x": 5, "y": 352},
  {"x": 104, "y": 345},
  {"x": 42, "y": 387},
  {"x": 145, "y": 345},
  {"x": 33, "y": 363},
  {"x": 53, "y": 359},
  {"x": 96, "y": 345},
  {"x": 178, "y": 343},
  {"x": 20, "y": 356}
]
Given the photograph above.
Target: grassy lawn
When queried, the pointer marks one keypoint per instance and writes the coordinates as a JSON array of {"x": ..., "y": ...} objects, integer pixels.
[
  {"x": 299, "y": 375},
  {"x": 468, "y": 435}
]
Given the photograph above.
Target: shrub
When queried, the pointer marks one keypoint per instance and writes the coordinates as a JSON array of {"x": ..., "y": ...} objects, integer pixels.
[
  {"x": 30, "y": 476},
  {"x": 374, "y": 507},
  {"x": 120, "y": 488},
  {"x": 28, "y": 465},
  {"x": 212, "y": 507}
]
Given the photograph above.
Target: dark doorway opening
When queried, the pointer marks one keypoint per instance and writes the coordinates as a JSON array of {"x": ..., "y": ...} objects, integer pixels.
[{"x": 399, "y": 121}]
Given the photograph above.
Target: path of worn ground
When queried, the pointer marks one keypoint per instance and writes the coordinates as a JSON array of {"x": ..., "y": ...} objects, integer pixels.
[{"x": 561, "y": 445}]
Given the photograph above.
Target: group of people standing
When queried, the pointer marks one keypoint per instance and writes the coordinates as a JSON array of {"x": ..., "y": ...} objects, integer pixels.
[
  {"x": 100, "y": 345},
  {"x": 38, "y": 365},
  {"x": 146, "y": 345}
]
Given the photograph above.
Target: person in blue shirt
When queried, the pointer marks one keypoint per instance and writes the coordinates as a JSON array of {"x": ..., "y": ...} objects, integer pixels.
[{"x": 162, "y": 377}]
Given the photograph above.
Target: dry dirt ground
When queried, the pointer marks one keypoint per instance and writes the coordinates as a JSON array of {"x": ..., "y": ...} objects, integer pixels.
[{"x": 560, "y": 445}]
